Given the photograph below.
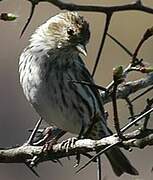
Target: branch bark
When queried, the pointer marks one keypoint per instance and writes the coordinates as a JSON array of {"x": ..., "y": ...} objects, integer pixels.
[
  {"x": 137, "y": 5},
  {"x": 26, "y": 152},
  {"x": 129, "y": 88}
]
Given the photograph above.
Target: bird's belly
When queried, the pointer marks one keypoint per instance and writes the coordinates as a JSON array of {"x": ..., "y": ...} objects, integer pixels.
[
  {"x": 54, "y": 116},
  {"x": 55, "y": 100},
  {"x": 51, "y": 108}
]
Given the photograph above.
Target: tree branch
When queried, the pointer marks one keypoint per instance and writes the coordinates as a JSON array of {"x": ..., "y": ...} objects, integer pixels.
[
  {"x": 26, "y": 152},
  {"x": 126, "y": 89},
  {"x": 137, "y": 5}
]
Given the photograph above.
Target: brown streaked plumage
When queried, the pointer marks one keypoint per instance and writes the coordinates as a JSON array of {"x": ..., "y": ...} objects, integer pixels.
[{"x": 46, "y": 67}]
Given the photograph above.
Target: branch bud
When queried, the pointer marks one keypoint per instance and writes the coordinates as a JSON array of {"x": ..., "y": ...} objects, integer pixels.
[{"x": 7, "y": 17}]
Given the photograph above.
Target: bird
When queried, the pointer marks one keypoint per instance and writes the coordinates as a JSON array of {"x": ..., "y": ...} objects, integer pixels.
[{"x": 47, "y": 68}]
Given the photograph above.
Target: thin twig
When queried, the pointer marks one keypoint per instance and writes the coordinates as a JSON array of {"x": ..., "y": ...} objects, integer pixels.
[
  {"x": 110, "y": 146},
  {"x": 32, "y": 169},
  {"x": 89, "y": 84},
  {"x": 142, "y": 93},
  {"x": 129, "y": 88},
  {"x": 99, "y": 174},
  {"x": 136, "y": 120},
  {"x": 148, "y": 33},
  {"x": 32, "y": 136},
  {"x": 120, "y": 44},
  {"x": 117, "y": 78},
  {"x": 115, "y": 111},
  {"x": 147, "y": 117},
  {"x": 130, "y": 107},
  {"x": 103, "y": 9},
  {"x": 33, "y": 5},
  {"x": 97, "y": 155},
  {"x": 107, "y": 23}
]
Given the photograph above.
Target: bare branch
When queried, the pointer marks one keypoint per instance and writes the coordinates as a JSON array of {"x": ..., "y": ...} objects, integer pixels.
[
  {"x": 126, "y": 89},
  {"x": 120, "y": 44},
  {"x": 126, "y": 127},
  {"x": 107, "y": 23},
  {"x": 137, "y": 138},
  {"x": 108, "y": 10},
  {"x": 104, "y": 9},
  {"x": 33, "y": 5}
]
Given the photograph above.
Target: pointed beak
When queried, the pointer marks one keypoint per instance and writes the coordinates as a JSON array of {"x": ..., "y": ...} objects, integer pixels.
[{"x": 82, "y": 49}]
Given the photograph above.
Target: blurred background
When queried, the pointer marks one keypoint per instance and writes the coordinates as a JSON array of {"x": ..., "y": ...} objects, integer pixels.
[{"x": 17, "y": 116}]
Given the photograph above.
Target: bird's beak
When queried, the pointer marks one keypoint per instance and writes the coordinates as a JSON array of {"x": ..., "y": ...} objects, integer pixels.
[{"x": 82, "y": 49}]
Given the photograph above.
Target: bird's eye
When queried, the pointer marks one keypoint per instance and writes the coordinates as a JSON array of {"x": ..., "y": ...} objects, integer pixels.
[{"x": 70, "y": 32}]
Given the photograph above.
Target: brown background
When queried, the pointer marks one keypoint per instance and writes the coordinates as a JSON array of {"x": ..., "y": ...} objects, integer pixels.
[{"x": 16, "y": 115}]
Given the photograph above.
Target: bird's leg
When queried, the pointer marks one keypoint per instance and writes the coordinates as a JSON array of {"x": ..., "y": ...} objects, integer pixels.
[
  {"x": 52, "y": 137},
  {"x": 44, "y": 135},
  {"x": 78, "y": 156},
  {"x": 30, "y": 142},
  {"x": 93, "y": 121},
  {"x": 48, "y": 134},
  {"x": 70, "y": 143},
  {"x": 82, "y": 130}
]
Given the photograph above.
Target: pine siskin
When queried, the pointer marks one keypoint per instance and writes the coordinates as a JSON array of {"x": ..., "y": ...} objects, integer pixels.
[{"x": 46, "y": 69}]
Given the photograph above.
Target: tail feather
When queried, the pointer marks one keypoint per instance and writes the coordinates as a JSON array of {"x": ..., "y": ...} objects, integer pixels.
[{"x": 120, "y": 164}]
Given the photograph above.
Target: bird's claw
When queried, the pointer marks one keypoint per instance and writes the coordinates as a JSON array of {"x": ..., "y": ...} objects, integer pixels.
[
  {"x": 49, "y": 144},
  {"x": 68, "y": 144}
]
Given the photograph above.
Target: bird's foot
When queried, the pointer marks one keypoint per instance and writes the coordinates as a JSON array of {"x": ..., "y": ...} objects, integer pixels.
[
  {"x": 49, "y": 135},
  {"x": 121, "y": 136},
  {"x": 49, "y": 144},
  {"x": 68, "y": 144}
]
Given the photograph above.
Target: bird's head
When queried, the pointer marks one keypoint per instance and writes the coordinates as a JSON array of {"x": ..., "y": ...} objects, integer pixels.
[{"x": 66, "y": 30}]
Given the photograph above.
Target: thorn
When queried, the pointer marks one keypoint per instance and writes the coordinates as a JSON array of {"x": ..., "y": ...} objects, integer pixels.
[
  {"x": 136, "y": 120},
  {"x": 130, "y": 149},
  {"x": 139, "y": 2},
  {"x": 99, "y": 176},
  {"x": 89, "y": 156},
  {"x": 32, "y": 169},
  {"x": 97, "y": 155},
  {"x": 59, "y": 162},
  {"x": 141, "y": 94},
  {"x": 30, "y": 140},
  {"x": 68, "y": 157}
]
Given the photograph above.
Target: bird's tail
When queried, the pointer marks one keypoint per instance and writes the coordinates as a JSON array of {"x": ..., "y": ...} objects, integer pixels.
[{"x": 120, "y": 164}]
